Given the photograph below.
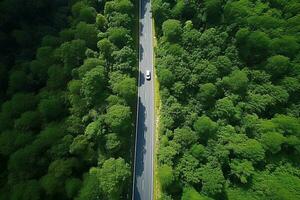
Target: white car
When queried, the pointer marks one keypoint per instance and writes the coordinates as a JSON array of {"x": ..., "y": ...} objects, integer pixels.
[{"x": 148, "y": 75}]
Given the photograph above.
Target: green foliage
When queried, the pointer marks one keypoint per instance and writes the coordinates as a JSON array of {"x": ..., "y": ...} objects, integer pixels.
[
  {"x": 72, "y": 187},
  {"x": 52, "y": 107},
  {"x": 236, "y": 65},
  {"x": 112, "y": 177},
  {"x": 189, "y": 193},
  {"x": 237, "y": 82},
  {"x": 29, "y": 120},
  {"x": 62, "y": 113},
  {"x": 113, "y": 143},
  {"x": 28, "y": 190},
  {"x": 72, "y": 53},
  {"x": 278, "y": 65},
  {"x": 188, "y": 169},
  {"x": 87, "y": 33},
  {"x": 166, "y": 176},
  {"x": 242, "y": 169},
  {"x": 172, "y": 30},
  {"x": 105, "y": 47},
  {"x": 205, "y": 127},
  {"x": 17, "y": 82},
  {"x": 126, "y": 89},
  {"x": 212, "y": 180},
  {"x": 213, "y": 10},
  {"x": 118, "y": 118},
  {"x": 185, "y": 137},
  {"x": 207, "y": 93},
  {"x": 119, "y": 36},
  {"x": 93, "y": 84},
  {"x": 272, "y": 141}
]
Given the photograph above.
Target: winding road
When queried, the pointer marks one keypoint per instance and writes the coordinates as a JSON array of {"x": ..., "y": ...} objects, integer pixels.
[{"x": 144, "y": 144}]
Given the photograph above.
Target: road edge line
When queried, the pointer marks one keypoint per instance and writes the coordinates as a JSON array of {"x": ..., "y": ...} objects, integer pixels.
[{"x": 138, "y": 102}]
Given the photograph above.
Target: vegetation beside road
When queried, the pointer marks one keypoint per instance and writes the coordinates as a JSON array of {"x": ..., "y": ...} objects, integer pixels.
[
  {"x": 229, "y": 84},
  {"x": 68, "y": 96}
]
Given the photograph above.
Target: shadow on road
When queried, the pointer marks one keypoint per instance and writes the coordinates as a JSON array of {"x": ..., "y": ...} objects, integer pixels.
[
  {"x": 143, "y": 8},
  {"x": 140, "y": 150},
  {"x": 141, "y": 52}
]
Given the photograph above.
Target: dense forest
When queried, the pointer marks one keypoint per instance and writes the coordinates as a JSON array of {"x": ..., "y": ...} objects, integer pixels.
[
  {"x": 67, "y": 96},
  {"x": 229, "y": 73}
]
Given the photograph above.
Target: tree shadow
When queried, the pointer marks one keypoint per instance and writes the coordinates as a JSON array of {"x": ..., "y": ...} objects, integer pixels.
[
  {"x": 140, "y": 149},
  {"x": 141, "y": 52}
]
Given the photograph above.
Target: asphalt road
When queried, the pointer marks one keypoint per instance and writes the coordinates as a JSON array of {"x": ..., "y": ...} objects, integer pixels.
[{"x": 143, "y": 166}]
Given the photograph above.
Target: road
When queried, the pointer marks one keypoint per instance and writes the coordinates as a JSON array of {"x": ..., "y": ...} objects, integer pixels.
[{"x": 143, "y": 163}]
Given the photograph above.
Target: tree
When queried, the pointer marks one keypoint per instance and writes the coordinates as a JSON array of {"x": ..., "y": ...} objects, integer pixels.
[
  {"x": 118, "y": 118},
  {"x": 225, "y": 108},
  {"x": 120, "y": 20},
  {"x": 278, "y": 185},
  {"x": 106, "y": 48},
  {"x": 113, "y": 177},
  {"x": 278, "y": 65},
  {"x": 90, "y": 187},
  {"x": 72, "y": 53},
  {"x": 87, "y": 33},
  {"x": 272, "y": 141},
  {"x": 166, "y": 176},
  {"x": 72, "y": 186},
  {"x": 205, "y": 127},
  {"x": 185, "y": 137},
  {"x": 212, "y": 179},
  {"x": 12, "y": 140},
  {"x": 125, "y": 60},
  {"x": 289, "y": 125},
  {"x": 88, "y": 65},
  {"x": 213, "y": 10},
  {"x": 189, "y": 193},
  {"x": 237, "y": 82},
  {"x": 205, "y": 72},
  {"x": 198, "y": 151},
  {"x": 101, "y": 22},
  {"x": 93, "y": 130},
  {"x": 19, "y": 103},
  {"x": 52, "y": 107},
  {"x": 113, "y": 143},
  {"x": 161, "y": 10},
  {"x": 87, "y": 14},
  {"x": 188, "y": 169},
  {"x": 285, "y": 45},
  {"x": 254, "y": 46},
  {"x": 165, "y": 76},
  {"x": 166, "y": 155},
  {"x": 27, "y": 190},
  {"x": 240, "y": 194},
  {"x": 119, "y": 36},
  {"x": 93, "y": 84},
  {"x": 249, "y": 149},
  {"x": 17, "y": 82},
  {"x": 82, "y": 147},
  {"x": 56, "y": 77},
  {"x": 172, "y": 30},
  {"x": 127, "y": 89},
  {"x": 122, "y": 6},
  {"x": 29, "y": 120},
  {"x": 207, "y": 93},
  {"x": 242, "y": 169}
]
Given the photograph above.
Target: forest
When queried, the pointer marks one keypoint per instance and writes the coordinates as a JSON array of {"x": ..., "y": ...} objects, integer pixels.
[
  {"x": 67, "y": 99},
  {"x": 229, "y": 74}
]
